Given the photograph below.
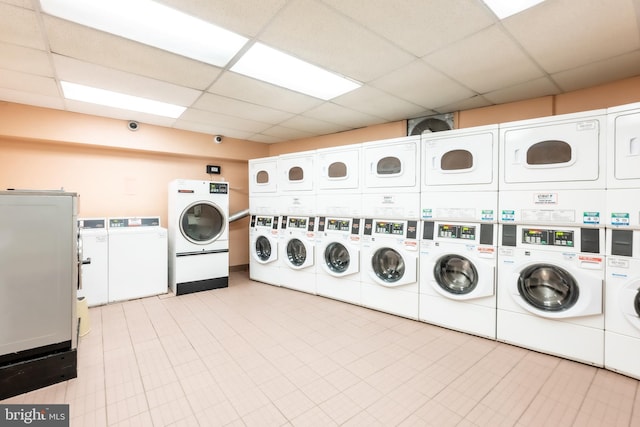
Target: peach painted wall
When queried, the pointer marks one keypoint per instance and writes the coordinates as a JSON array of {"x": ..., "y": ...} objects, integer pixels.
[{"x": 118, "y": 172}]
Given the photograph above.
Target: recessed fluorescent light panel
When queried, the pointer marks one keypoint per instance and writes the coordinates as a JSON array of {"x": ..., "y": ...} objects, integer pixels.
[
  {"x": 272, "y": 66},
  {"x": 119, "y": 100},
  {"x": 152, "y": 24},
  {"x": 505, "y": 8}
]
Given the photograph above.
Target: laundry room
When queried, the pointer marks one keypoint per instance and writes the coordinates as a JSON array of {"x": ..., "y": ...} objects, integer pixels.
[{"x": 444, "y": 232}]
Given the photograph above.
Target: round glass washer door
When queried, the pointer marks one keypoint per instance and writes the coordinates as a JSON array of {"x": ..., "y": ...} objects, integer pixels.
[
  {"x": 455, "y": 274},
  {"x": 388, "y": 265},
  {"x": 263, "y": 248},
  {"x": 202, "y": 223},
  {"x": 296, "y": 252},
  {"x": 337, "y": 258},
  {"x": 548, "y": 287}
]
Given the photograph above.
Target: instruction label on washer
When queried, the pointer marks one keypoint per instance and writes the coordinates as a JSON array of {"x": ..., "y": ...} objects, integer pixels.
[
  {"x": 487, "y": 215},
  {"x": 508, "y": 215},
  {"x": 591, "y": 217},
  {"x": 620, "y": 218},
  {"x": 427, "y": 213}
]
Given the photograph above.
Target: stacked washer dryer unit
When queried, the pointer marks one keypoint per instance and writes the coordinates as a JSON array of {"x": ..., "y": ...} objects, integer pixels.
[
  {"x": 622, "y": 310},
  {"x": 551, "y": 258},
  {"x": 339, "y": 209},
  {"x": 458, "y": 250},
  {"x": 297, "y": 200},
  {"x": 264, "y": 261},
  {"x": 391, "y": 208},
  {"x": 198, "y": 235}
]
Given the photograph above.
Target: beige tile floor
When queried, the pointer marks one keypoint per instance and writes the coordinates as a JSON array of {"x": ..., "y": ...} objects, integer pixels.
[{"x": 258, "y": 355}]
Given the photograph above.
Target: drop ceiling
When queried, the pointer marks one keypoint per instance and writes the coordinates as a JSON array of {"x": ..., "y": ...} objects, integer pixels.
[{"x": 413, "y": 58}]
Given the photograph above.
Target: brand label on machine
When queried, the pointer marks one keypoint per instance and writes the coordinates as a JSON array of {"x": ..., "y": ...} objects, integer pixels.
[
  {"x": 591, "y": 217},
  {"x": 508, "y": 215},
  {"x": 620, "y": 218},
  {"x": 545, "y": 198}
]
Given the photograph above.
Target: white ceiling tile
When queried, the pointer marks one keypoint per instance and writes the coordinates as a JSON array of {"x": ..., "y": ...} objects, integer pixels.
[
  {"x": 375, "y": 102},
  {"x": 422, "y": 85},
  {"x": 233, "y": 85},
  {"x": 245, "y": 17},
  {"x": 465, "y": 104},
  {"x": 234, "y": 107},
  {"x": 84, "y": 73},
  {"x": 285, "y": 133},
  {"x": 30, "y": 98},
  {"x": 19, "y": 58},
  {"x": 20, "y": 26},
  {"x": 117, "y": 113},
  {"x": 486, "y": 61},
  {"x": 217, "y": 119},
  {"x": 318, "y": 34},
  {"x": 600, "y": 72},
  {"x": 308, "y": 124},
  {"x": 533, "y": 89},
  {"x": 104, "y": 49},
  {"x": 211, "y": 129},
  {"x": 25, "y": 82},
  {"x": 565, "y": 34},
  {"x": 418, "y": 26},
  {"x": 333, "y": 113},
  {"x": 265, "y": 139}
]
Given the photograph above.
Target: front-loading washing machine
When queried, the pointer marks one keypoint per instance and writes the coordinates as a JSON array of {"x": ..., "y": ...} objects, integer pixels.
[
  {"x": 338, "y": 259},
  {"x": 457, "y": 276},
  {"x": 338, "y": 179},
  {"x": 94, "y": 241},
  {"x": 263, "y": 186},
  {"x": 264, "y": 263},
  {"x": 297, "y": 252},
  {"x": 198, "y": 235},
  {"x": 391, "y": 178},
  {"x": 390, "y": 266},
  {"x": 622, "y": 309},
  {"x": 550, "y": 290},
  {"x": 297, "y": 183}
]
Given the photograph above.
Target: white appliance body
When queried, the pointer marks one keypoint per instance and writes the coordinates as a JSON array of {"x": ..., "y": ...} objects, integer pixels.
[
  {"x": 339, "y": 178},
  {"x": 457, "y": 276},
  {"x": 95, "y": 260},
  {"x": 338, "y": 258},
  {"x": 389, "y": 260},
  {"x": 297, "y": 252},
  {"x": 296, "y": 183},
  {"x": 264, "y": 261},
  {"x": 550, "y": 290},
  {"x": 137, "y": 258},
  {"x": 263, "y": 186},
  {"x": 623, "y": 143},
  {"x": 559, "y": 152},
  {"x": 391, "y": 178},
  {"x": 198, "y": 235}
]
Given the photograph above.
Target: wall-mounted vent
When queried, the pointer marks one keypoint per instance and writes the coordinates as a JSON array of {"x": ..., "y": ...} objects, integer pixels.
[{"x": 427, "y": 124}]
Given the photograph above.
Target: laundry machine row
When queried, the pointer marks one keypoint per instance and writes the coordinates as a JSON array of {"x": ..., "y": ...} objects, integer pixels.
[{"x": 540, "y": 214}]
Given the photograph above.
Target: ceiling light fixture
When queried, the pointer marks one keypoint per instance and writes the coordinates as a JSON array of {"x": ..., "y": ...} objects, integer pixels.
[
  {"x": 153, "y": 24},
  {"x": 270, "y": 65},
  {"x": 108, "y": 98},
  {"x": 505, "y": 8}
]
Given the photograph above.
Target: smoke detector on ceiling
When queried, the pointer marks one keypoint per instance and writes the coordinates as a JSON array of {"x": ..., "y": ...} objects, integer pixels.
[{"x": 428, "y": 124}]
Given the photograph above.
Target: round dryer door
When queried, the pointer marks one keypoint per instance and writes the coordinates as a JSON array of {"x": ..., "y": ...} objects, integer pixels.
[
  {"x": 337, "y": 258},
  {"x": 456, "y": 275},
  {"x": 548, "y": 287},
  {"x": 263, "y": 248},
  {"x": 388, "y": 265},
  {"x": 202, "y": 223},
  {"x": 296, "y": 252}
]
